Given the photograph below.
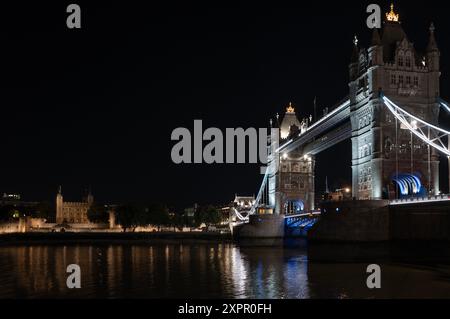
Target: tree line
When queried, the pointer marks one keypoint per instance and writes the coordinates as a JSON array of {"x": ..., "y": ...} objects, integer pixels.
[
  {"x": 132, "y": 216},
  {"x": 129, "y": 216},
  {"x": 38, "y": 210}
]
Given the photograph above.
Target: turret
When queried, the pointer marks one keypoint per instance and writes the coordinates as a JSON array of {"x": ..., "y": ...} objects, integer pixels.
[
  {"x": 432, "y": 51},
  {"x": 90, "y": 197},
  {"x": 289, "y": 119},
  {"x": 353, "y": 67},
  {"x": 432, "y": 57},
  {"x": 59, "y": 207}
]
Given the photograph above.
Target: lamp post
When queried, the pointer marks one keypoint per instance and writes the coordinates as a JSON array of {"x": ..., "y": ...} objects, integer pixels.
[
  {"x": 448, "y": 157},
  {"x": 414, "y": 126},
  {"x": 429, "y": 164}
]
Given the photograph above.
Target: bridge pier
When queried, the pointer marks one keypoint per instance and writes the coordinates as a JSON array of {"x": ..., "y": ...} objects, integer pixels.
[
  {"x": 379, "y": 221},
  {"x": 353, "y": 221},
  {"x": 261, "y": 226}
]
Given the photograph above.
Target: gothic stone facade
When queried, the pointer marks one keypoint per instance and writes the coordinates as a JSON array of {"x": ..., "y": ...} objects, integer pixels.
[
  {"x": 379, "y": 145},
  {"x": 291, "y": 175},
  {"x": 72, "y": 212}
]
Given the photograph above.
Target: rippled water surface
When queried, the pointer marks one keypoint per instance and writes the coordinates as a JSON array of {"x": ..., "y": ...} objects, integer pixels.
[{"x": 204, "y": 271}]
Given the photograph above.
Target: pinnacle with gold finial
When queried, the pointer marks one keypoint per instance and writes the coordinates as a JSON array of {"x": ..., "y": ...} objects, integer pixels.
[
  {"x": 355, "y": 40},
  {"x": 290, "y": 108},
  {"x": 392, "y": 16},
  {"x": 432, "y": 28}
]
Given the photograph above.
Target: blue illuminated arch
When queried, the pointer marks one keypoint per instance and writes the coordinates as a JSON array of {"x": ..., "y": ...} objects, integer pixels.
[
  {"x": 297, "y": 206},
  {"x": 408, "y": 184}
]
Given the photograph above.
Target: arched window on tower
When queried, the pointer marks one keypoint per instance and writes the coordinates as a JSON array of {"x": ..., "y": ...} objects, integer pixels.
[
  {"x": 408, "y": 59},
  {"x": 408, "y": 80},
  {"x": 400, "y": 58}
]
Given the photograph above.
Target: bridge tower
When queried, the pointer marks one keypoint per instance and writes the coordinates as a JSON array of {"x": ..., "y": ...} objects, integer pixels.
[
  {"x": 384, "y": 155},
  {"x": 291, "y": 174}
]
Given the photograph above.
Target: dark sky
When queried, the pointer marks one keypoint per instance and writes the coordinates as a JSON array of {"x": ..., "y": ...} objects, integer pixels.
[{"x": 97, "y": 106}]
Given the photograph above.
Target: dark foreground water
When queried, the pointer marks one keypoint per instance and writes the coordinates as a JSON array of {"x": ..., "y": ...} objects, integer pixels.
[{"x": 211, "y": 270}]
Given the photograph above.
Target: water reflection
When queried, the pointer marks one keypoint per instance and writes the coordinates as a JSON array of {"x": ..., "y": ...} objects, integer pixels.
[{"x": 199, "y": 270}]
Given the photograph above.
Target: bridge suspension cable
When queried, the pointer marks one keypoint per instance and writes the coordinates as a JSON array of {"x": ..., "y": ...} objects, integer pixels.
[
  {"x": 427, "y": 132},
  {"x": 260, "y": 193},
  {"x": 444, "y": 105}
]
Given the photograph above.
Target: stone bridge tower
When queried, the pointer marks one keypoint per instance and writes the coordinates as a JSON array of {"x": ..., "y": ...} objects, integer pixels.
[
  {"x": 291, "y": 177},
  {"x": 383, "y": 153}
]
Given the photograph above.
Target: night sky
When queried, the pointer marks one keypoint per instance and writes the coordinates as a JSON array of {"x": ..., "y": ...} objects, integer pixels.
[{"x": 97, "y": 106}]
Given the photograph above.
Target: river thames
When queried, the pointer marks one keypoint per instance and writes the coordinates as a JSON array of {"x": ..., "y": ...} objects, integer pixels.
[{"x": 205, "y": 270}]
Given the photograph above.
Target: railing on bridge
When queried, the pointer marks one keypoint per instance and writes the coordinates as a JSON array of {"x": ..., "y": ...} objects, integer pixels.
[
  {"x": 303, "y": 221},
  {"x": 330, "y": 120},
  {"x": 418, "y": 200}
]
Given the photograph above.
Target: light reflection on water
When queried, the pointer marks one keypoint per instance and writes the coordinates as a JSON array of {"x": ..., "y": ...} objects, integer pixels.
[{"x": 203, "y": 270}]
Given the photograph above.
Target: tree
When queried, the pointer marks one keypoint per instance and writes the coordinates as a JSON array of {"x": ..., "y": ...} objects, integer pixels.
[
  {"x": 129, "y": 216},
  {"x": 132, "y": 216},
  {"x": 14, "y": 213},
  {"x": 44, "y": 210},
  {"x": 5, "y": 212},
  {"x": 157, "y": 215},
  {"x": 209, "y": 215},
  {"x": 98, "y": 214},
  {"x": 9, "y": 212},
  {"x": 178, "y": 220}
]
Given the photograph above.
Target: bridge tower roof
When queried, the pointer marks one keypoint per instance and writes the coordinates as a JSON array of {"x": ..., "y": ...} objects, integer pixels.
[
  {"x": 392, "y": 34},
  {"x": 290, "y": 119}
]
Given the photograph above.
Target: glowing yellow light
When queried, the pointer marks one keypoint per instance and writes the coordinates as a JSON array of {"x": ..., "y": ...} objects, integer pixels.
[
  {"x": 392, "y": 16},
  {"x": 347, "y": 190},
  {"x": 290, "y": 109}
]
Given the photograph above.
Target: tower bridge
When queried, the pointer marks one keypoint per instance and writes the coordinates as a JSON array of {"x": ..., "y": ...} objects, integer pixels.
[{"x": 390, "y": 114}]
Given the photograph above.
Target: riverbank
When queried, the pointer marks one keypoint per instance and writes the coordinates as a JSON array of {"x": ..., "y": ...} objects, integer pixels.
[{"x": 108, "y": 238}]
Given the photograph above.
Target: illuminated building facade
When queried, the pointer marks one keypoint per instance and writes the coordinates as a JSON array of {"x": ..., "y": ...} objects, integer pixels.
[
  {"x": 72, "y": 212},
  {"x": 291, "y": 186},
  {"x": 387, "y": 160}
]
